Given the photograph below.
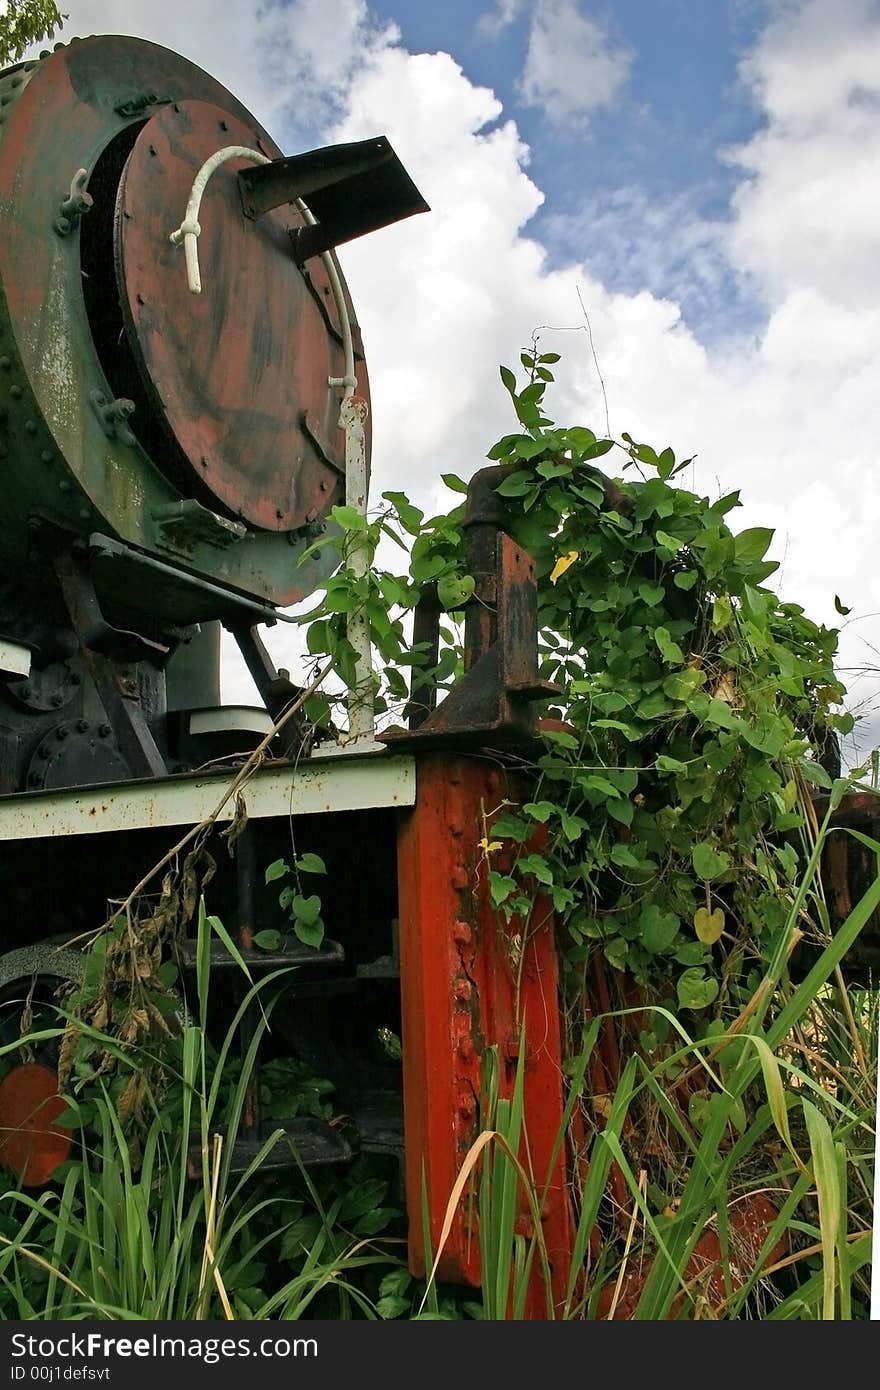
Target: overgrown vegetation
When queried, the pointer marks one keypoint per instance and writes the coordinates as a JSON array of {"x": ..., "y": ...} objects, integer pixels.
[
  {"x": 24, "y": 22},
  {"x": 721, "y": 1062}
]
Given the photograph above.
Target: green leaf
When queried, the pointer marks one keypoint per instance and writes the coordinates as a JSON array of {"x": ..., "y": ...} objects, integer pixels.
[
  {"x": 621, "y": 811},
  {"x": 694, "y": 990},
  {"x": 454, "y": 482},
  {"x": 515, "y": 485},
  {"x": 167, "y": 973},
  {"x": 708, "y": 862},
  {"x": 309, "y": 933},
  {"x": 680, "y": 685},
  {"x": 752, "y": 545},
  {"x": 349, "y": 518},
  {"x": 317, "y": 637},
  {"x": 411, "y": 517},
  {"x": 537, "y": 866},
  {"x": 277, "y": 869},
  {"x": 573, "y": 826},
  {"x": 539, "y": 810},
  {"x": 306, "y": 910},
  {"x": 622, "y": 854},
  {"x": 699, "y": 1110},
  {"x": 500, "y": 887},
  {"x": 509, "y": 379},
  {"x": 560, "y": 738},
  {"x": 652, "y": 594},
  {"x": 669, "y": 650},
  {"x": 666, "y": 463},
  {"x": 815, "y": 773},
  {"x": 691, "y": 953},
  {"x": 509, "y": 827},
  {"x": 454, "y": 591},
  {"x": 527, "y": 448},
  {"x": 721, "y": 715},
  {"x": 768, "y": 734},
  {"x": 722, "y": 613},
  {"x": 657, "y": 929},
  {"x": 311, "y": 864},
  {"x": 616, "y": 952},
  {"x": 653, "y": 706},
  {"x": 268, "y": 940},
  {"x": 664, "y": 763},
  {"x": 685, "y": 579},
  {"x": 374, "y": 1221},
  {"x": 593, "y": 782}
]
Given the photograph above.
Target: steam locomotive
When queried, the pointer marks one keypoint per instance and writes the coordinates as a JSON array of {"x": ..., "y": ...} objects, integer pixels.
[{"x": 166, "y": 458}]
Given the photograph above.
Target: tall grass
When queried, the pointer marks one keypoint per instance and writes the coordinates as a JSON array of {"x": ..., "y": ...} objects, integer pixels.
[
  {"x": 791, "y": 1114},
  {"x": 166, "y": 1229},
  {"x": 163, "y": 1228}
]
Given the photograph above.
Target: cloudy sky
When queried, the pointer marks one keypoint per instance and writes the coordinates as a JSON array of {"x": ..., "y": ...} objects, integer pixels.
[{"x": 696, "y": 180}]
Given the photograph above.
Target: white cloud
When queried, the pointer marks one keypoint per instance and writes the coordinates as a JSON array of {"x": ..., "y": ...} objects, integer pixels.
[
  {"x": 806, "y": 212},
  {"x": 631, "y": 239},
  {"x": 494, "y": 21},
  {"x": 572, "y": 66}
]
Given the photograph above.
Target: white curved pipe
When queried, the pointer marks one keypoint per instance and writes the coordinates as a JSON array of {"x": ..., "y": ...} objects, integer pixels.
[{"x": 189, "y": 230}]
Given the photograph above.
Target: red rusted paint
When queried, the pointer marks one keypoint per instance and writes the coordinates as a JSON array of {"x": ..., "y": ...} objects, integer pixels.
[
  {"x": 708, "y": 1276},
  {"x": 31, "y": 1144},
  {"x": 449, "y": 938}
]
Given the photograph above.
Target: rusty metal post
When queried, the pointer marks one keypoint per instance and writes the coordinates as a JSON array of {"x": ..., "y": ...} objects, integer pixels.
[{"x": 459, "y": 996}]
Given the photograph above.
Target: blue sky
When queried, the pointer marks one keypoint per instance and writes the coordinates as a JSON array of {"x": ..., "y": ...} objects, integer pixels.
[
  {"x": 700, "y": 179},
  {"x": 655, "y": 156}
]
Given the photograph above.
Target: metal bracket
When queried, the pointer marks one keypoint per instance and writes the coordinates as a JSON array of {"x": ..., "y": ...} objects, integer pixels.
[
  {"x": 276, "y": 688},
  {"x": 103, "y": 647},
  {"x": 135, "y": 105},
  {"x": 74, "y": 205},
  {"x": 113, "y": 415},
  {"x": 89, "y": 623},
  {"x": 184, "y": 525}
]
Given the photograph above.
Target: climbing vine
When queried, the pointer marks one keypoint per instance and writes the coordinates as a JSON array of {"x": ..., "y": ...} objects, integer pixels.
[{"x": 696, "y": 710}]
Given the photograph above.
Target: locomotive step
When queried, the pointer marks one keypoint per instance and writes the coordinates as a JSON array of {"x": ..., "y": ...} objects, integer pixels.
[
  {"x": 306, "y": 1142},
  {"x": 291, "y": 952}
]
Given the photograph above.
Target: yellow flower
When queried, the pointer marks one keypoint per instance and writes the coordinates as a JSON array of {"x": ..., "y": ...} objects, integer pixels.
[{"x": 564, "y": 563}]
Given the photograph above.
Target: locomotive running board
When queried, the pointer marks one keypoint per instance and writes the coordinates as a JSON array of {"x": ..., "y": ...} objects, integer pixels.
[{"x": 350, "y": 783}]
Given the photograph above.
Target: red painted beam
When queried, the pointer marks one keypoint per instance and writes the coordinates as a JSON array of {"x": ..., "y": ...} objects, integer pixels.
[{"x": 460, "y": 995}]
